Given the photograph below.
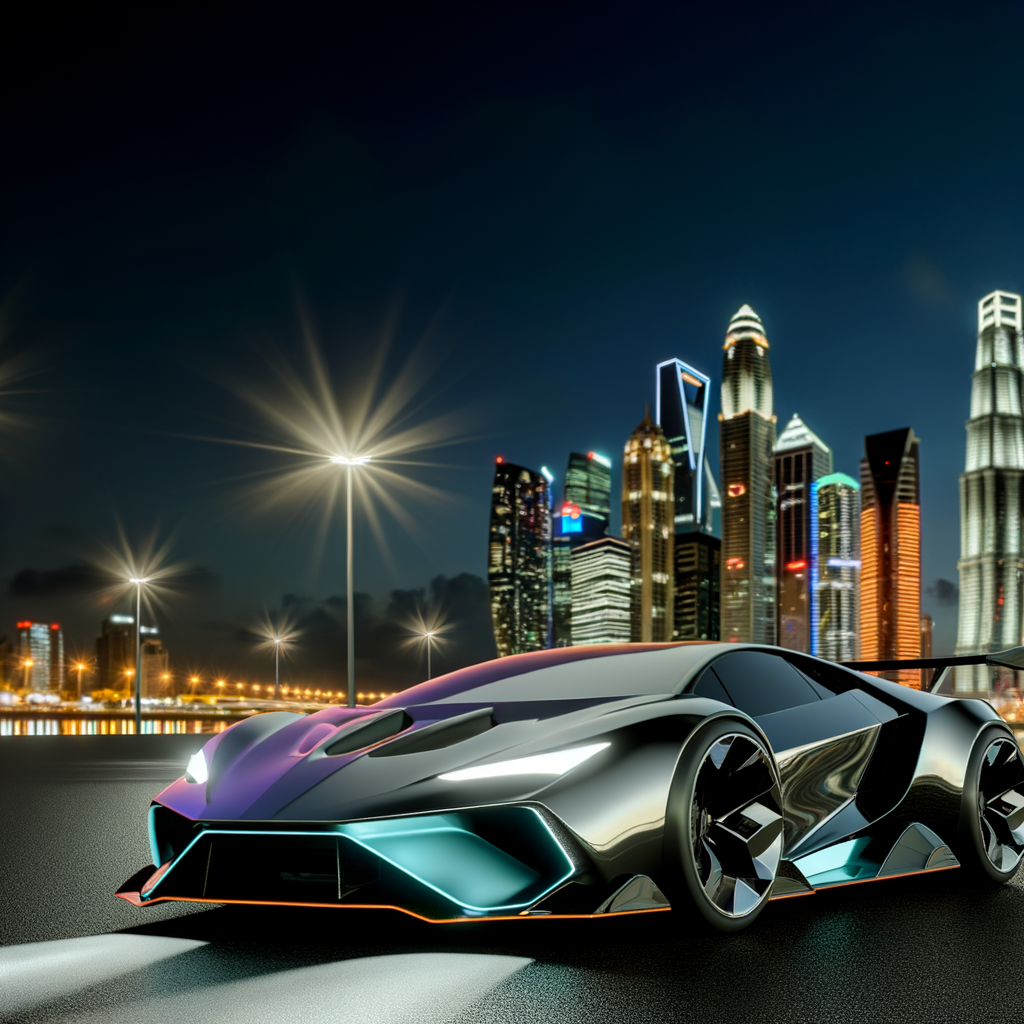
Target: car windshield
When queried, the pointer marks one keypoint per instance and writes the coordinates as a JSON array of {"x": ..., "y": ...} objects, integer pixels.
[{"x": 613, "y": 670}]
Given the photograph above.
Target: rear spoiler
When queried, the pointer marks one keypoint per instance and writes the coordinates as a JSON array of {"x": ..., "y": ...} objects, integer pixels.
[{"x": 1013, "y": 658}]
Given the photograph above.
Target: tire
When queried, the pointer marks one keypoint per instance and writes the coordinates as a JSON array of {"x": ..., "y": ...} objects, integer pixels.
[
  {"x": 991, "y": 833},
  {"x": 724, "y": 826}
]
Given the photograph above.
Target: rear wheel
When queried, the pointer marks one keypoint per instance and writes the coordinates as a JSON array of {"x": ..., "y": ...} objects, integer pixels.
[
  {"x": 724, "y": 827},
  {"x": 992, "y": 808}
]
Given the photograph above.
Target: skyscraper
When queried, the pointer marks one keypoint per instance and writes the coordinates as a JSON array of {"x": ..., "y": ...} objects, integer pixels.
[
  {"x": 584, "y": 517},
  {"x": 698, "y": 573},
  {"x": 681, "y": 408},
  {"x": 115, "y": 655},
  {"x": 800, "y": 458},
  {"x": 600, "y": 592},
  {"x": 747, "y": 439},
  {"x": 519, "y": 559},
  {"x": 890, "y": 544},
  {"x": 648, "y": 503},
  {"x": 835, "y": 567},
  {"x": 42, "y": 644},
  {"x": 682, "y": 411},
  {"x": 991, "y": 563}
]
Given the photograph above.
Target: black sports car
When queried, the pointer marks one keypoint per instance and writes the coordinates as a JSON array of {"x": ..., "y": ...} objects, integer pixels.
[{"x": 595, "y": 780}]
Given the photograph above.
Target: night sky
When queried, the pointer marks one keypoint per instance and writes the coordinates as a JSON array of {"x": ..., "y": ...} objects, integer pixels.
[{"x": 534, "y": 203}]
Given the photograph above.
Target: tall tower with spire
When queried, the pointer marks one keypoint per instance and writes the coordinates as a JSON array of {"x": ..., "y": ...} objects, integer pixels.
[
  {"x": 992, "y": 487},
  {"x": 747, "y": 439}
]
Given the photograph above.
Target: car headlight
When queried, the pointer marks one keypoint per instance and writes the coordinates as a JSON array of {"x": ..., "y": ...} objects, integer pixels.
[
  {"x": 197, "y": 770},
  {"x": 557, "y": 762}
]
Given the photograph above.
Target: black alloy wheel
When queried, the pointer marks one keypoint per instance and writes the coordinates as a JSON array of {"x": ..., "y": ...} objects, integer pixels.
[
  {"x": 993, "y": 812},
  {"x": 729, "y": 844}
]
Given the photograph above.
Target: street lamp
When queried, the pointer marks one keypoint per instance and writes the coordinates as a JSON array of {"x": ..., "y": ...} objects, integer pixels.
[
  {"x": 278, "y": 640},
  {"x": 28, "y": 663},
  {"x": 79, "y": 668},
  {"x": 348, "y": 463},
  {"x": 137, "y": 582},
  {"x": 428, "y": 636}
]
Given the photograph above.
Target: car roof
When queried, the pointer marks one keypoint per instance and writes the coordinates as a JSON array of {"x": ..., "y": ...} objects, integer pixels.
[{"x": 599, "y": 670}]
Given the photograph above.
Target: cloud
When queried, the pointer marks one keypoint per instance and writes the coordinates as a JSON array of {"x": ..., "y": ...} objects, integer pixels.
[
  {"x": 71, "y": 579},
  {"x": 944, "y": 593}
]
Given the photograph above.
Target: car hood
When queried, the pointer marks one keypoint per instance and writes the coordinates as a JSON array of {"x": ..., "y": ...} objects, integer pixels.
[{"x": 284, "y": 771}]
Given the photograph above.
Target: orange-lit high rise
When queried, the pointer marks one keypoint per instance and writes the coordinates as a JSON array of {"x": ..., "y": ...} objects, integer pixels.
[{"x": 890, "y": 527}]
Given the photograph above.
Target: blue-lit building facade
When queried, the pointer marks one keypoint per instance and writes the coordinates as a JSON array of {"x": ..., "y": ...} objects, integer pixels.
[
  {"x": 682, "y": 408},
  {"x": 601, "y": 593},
  {"x": 582, "y": 518},
  {"x": 519, "y": 559},
  {"x": 835, "y": 567}
]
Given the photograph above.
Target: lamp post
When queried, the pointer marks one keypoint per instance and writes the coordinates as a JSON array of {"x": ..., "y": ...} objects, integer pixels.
[
  {"x": 79, "y": 668},
  {"x": 348, "y": 463},
  {"x": 137, "y": 582},
  {"x": 428, "y": 637},
  {"x": 277, "y": 665},
  {"x": 28, "y": 670}
]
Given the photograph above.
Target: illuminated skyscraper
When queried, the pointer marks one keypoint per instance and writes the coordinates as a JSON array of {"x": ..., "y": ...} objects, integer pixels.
[
  {"x": 890, "y": 544},
  {"x": 42, "y": 643},
  {"x": 747, "y": 439},
  {"x": 648, "y": 504},
  {"x": 835, "y": 567},
  {"x": 698, "y": 573},
  {"x": 600, "y": 592},
  {"x": 584, "y": 517},
  {"x": 115, "y": 655},
  {"x": 682, "y": 411},
  {"x": 991, "y": 562},
  {"x": 519, "y": 559},
  {"x": 800, "y": 458}
]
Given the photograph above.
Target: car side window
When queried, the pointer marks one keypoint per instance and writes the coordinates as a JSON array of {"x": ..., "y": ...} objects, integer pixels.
[
  {"x": 761, "y": 684},
  {"x": 709, "y": 686}
]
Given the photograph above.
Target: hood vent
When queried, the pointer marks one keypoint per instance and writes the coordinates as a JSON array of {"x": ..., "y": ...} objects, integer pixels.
[
  {"x": 440, "y": 734},
  {"x": 372, "y": 730}
]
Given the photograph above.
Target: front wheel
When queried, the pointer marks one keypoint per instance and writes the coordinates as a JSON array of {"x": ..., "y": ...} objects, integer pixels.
[
  {"x": 992, "y": 808},
  {"x": 724, "y": 826}
]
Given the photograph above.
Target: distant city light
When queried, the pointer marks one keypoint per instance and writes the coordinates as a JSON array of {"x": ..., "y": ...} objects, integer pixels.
[
  {"x": 736, "y": 490},
  {"x": 845, "y": 563},
  {"x": 546, "y": 473},
  {"x": 797, "y": 565},
  {"x": 122, "y": 620},
  {"x": 600, "y": 459}
]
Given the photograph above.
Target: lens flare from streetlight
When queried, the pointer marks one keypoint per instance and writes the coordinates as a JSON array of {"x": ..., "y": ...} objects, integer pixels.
[
  {"x": 278, "y": 631},
  {"x": 428, "y": 626},
  {"x": 320, "y": 421}
]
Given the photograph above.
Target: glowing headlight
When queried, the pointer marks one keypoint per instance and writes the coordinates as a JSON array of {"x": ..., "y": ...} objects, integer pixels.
[
  {"x": 558, "y": 762},
  {"x": 196, "y": 770}
]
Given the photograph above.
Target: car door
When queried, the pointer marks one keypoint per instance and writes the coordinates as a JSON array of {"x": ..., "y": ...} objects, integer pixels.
[{"x": 822, "y": 740}]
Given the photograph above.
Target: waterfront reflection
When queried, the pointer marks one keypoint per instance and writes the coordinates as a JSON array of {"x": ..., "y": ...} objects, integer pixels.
[{"x": 38, "y": 725}]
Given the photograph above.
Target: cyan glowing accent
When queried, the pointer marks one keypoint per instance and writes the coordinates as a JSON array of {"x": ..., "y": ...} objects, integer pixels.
[
  {"x": 154, "y": 849},
  {"x": 197, "y": 770},
  {"x": 570, "y": 525},
  {"x": 837, "y": 864},
  {"x": 435, "y": 851},
  {"x": 556, "y": 762}
]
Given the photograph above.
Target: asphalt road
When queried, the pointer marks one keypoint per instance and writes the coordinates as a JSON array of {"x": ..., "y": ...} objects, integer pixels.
[{"x": 72, "y": 820}]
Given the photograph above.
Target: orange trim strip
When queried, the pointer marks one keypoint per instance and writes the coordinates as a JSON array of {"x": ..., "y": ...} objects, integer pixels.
[{"x": 133, "y": 898}]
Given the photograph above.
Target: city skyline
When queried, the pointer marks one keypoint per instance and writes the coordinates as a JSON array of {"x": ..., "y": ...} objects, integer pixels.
[{"x": 156, "y": 241}]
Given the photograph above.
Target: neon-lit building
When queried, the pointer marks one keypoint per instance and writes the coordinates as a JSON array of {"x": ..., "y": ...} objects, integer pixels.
[
  {"x": 681, "y": 408},
  {"x": 600, "y": 597},
  {"x": 519, "y": 559},
  {"x": 747, "y": 439},
  {"x": 42, "y": 644},
  {"x": 890, "y": 544},
  {"x": 801, "y": 457},
  {"x": 584, "y": 516},
  {"x": 682, "y": 411},
  {"x": 991, "y": 563},
  {"x": 835, "y": 567},
  {"x": 648, "y": 503}
]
